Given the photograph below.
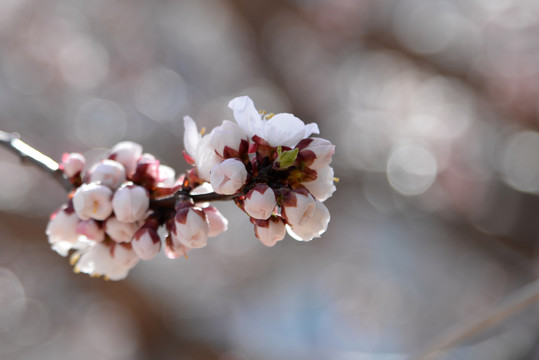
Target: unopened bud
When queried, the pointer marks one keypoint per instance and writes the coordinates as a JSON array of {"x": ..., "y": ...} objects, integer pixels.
[
  {"x": 93, "y": 201},
  {"x": 260, "y": 202},
  {"x": 297, "y": 208},
  {"x": 316, "y": 152},
  {"x": 72, "y": 164},
  {"x": 322, "y": 187},
  {"x": 120, "y": 231},
  {"x": 108, "y": 172},
  {"x": 146, "y": 243},
  {"x": 228, "y": 176},
  {"x": 92, "y": 230},
  {"x": 191, "y": 227},
  {"x": 314, "y": 226},
  {"x": 130, "y": 202},
  {"x": 127, "y": 153},
  {"x": 217, "y": 222},
  {"x": 270, "y": 231}
]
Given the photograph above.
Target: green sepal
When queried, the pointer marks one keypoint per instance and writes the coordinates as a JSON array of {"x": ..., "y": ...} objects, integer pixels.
[{"x": 286, "y": 158}]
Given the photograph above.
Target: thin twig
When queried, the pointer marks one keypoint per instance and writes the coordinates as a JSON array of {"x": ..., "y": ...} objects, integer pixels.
[
  {"x": 508, "y": 306},
  {"x": 12, "y": 142}
]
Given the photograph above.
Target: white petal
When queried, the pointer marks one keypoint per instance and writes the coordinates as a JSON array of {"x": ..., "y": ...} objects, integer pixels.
[
  {"x": 205, "y": 158},
  {"x": 191, "y": 136},
  {"x": 322, "y": 188},
  {"x": 246, "y": 115}
]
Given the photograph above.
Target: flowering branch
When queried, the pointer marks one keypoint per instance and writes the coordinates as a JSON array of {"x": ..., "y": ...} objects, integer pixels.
[
  {"x": 267, "y": 164},
  {"x": 12, "y": 142}
]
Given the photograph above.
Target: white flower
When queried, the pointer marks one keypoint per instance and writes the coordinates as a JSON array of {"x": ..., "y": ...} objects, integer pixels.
[
  {"x": 216, "y": 221},
  {"x": 127, "y": 153},
  {"x": 282, "y": 129},
  {"x": 108, "y": 172},
  {"x": 228, "y": 138},
  {"x": 199, "y": 148},
  {"x": 130, "y": 202},
  {"x": 91, "y": 229},
  {"x": 72, "y": 164},
  {"x": 297, "y": 208},
  {"x": 270, "y": 231},
  {"x": 191, "y": 228},
  {"x": 260, "y": 202},
  {"x": 228, "y": 176},
  {"x": 112, "y": 261},
  {"x": 322, "y": 187},
  {"x": 146, "y": 243},
  {"x": 93, "y": 201},
  {"x": 62, "y": 231},
  {"x": 317, "y": 152},
  {"x": 314, "y": 226},
  {"x": 120, "y": 231}
]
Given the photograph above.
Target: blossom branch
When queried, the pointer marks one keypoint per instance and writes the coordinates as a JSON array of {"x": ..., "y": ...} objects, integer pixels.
[
  {"x": 12, "y": 142},
  {"x": 510, "y": 305},
  {"x": 170, "y": 201}
]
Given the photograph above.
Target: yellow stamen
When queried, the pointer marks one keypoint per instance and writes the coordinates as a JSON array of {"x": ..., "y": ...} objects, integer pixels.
[
  {"x": 269, "y": 116},
  {"x": 202, "y": 131},
  {"x": 76, "y": 270},
  {"x": 185, "y": 256},
  {"x": 106, "y": 278},
  {"x": 73, "y": 259},
  {"x": 96, "y": 206},
  {"x": 336, "y": 179}
]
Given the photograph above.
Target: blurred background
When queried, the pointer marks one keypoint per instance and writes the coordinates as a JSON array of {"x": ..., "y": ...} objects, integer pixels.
[{"x": 433, "y": 106}]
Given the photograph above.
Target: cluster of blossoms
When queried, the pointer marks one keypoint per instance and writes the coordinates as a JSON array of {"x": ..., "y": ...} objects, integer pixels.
[{"x": 267, "y": 164}]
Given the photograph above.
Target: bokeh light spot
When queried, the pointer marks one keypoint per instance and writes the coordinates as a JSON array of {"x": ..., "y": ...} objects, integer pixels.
[{"x": 411, "y": 169}]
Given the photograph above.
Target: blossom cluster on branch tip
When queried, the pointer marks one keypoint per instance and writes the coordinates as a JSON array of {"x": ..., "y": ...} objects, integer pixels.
[
  {"x": 279, "y": 175},
  {"x": 269, "y": 165}
]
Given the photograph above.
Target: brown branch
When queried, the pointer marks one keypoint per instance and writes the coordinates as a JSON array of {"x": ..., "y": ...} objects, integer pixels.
[
  {"x": 511, "y": 304},
  {"x": 27, "y": 153},
  {"x": 170, "y": 201}
]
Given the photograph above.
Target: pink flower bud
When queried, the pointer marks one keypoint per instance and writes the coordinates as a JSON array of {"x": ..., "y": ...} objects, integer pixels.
[
  {"x": 228, "y": 176},
  {"x": 297, "y": 208},
  {"x": 317, "y": 152},
  {"x": 130, "y": 202},
  {"x": 217, "y": 222},
  {"x": 191, "y": 228},
  {"x": 108, "y": 172},
  {"x": 229, "y": 140},
  {"x": 120, "y": 231},
  {"x": 93, "y": 201},
  {"x": 322, "y": 187},
  {"x": 126, "y": 153},
  {"x": 124, "y": 255},
  {"x": 167, "y": 176},
  {"x": 174, "y": 249},
  {"x": 147, "y": 171},
  {"x": 92, "y": 229},
  {"x": 270, "y": 231},
  {"x": 72, "y": 164},
  {"x": 146, "y": 243},
  {"x": 260, "y": 202},
  {"x": 314, "y": 226},
  {"x": 62, "y": 231}
]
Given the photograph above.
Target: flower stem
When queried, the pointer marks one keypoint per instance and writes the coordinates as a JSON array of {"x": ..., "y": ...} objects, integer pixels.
[{"x": 27, "y": 153}]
